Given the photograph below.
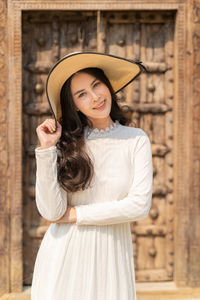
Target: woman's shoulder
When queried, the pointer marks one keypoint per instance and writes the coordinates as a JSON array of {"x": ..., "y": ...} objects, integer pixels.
[
  {"x": 138, "y": 140},
  {"x": 133, "y": 132},
  {"x": 135, "y": 136}
]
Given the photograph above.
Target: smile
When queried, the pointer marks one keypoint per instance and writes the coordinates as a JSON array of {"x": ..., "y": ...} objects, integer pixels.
[{"x": 102, "y": 106}]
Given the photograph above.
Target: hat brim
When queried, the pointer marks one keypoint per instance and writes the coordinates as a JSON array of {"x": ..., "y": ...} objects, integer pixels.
[{"x": 119, "y": 71}]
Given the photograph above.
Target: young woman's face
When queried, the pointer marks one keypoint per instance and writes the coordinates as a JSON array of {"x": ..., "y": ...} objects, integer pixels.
[{"x": 91, "y": 96}]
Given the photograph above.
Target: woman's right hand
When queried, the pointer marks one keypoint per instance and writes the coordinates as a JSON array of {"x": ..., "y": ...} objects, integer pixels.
[{"x": 47, "y": 135}]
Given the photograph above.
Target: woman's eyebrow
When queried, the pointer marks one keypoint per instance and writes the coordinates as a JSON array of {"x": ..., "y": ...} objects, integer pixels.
[
  {"x": 94, "y": 81},
  {"x": 78, "y": 92},
  {"x": 83, "y": 89}
]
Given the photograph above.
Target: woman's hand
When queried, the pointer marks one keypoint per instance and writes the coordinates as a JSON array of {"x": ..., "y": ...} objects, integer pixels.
[
  {"x": 68, "y": 217},
  {"x": 47, "y": 134}
]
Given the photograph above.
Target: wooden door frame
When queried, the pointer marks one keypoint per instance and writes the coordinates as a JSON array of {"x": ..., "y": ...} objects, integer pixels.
[{"x": 185, "y": 250}]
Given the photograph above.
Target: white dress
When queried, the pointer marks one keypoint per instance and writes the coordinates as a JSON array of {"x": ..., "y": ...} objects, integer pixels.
[{"x": 92, "y": 259}]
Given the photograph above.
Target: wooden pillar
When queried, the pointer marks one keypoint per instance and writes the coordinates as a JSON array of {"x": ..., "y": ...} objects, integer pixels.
[
  {"x": 10, "y": 159},
  {"x": 182, "y": 151},
  {"x": 187, "y": 149},
  {"x": 15, "y": 126},
  {"x": 194, "y": 200},
  {"x": 4, "y": 193}
]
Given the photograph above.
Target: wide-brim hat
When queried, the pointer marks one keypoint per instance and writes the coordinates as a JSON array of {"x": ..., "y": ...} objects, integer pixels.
[{"x": 120, "y": 72}]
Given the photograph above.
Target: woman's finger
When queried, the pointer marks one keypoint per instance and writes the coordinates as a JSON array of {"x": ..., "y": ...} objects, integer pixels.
[
  {"x": 46, "y": 127},
  {"x": 51, "y": 123},
  {"x": 51, "y": 126}
]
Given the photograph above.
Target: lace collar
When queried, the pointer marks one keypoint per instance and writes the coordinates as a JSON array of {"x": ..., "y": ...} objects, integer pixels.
[{"x": 95, "y": 132}]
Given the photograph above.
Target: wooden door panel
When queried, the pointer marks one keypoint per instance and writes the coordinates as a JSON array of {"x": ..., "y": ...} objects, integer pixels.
[
  {"x": 152, "y": 106},
  {"x": 142, "y": 36}
]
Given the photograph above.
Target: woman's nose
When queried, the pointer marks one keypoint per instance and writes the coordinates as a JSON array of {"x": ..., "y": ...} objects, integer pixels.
[{"x": 94, "y": 96}]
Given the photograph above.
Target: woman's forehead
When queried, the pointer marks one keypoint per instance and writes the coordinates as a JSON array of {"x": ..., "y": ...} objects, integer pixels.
[{"x": 82, "y": 78}]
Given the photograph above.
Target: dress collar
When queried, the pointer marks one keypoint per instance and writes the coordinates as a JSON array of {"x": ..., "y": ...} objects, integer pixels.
[{"x": 95, "y": 132}]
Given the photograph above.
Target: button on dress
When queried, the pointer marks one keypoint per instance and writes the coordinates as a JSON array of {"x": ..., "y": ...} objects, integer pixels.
[{"x": 92, "y": 259}]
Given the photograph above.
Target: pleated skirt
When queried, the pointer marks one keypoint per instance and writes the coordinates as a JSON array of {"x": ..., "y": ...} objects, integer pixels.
[{"x": 85, "y": 263}]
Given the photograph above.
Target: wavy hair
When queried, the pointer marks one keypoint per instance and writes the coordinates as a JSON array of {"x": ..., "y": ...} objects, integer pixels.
[{"x": 75, "y": 168}]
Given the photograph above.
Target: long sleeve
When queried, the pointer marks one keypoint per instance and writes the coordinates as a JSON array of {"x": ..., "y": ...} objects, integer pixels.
[
  {"x": 51, "y": 199},
  {"x": 136, "y": 204}
]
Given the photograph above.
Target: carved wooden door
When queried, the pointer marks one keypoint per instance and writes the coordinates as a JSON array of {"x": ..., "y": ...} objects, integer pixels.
[{"x": 143, "y": 36}]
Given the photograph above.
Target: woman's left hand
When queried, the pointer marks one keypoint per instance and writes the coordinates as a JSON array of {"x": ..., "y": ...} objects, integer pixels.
[{"x": 68, "y": 217}]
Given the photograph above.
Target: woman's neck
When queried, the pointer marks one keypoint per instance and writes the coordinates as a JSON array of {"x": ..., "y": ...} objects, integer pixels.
[{"x": 102, "y": 123}]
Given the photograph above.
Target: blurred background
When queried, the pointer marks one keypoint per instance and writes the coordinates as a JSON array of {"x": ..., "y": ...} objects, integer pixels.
[{"x": 164, "y": 102}]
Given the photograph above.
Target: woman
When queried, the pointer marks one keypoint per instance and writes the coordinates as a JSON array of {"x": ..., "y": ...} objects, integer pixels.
[{"x": 94, "y": 177}]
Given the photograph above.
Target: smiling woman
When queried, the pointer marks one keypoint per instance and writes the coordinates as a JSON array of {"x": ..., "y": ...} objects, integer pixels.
[
  {"x": 80, "y": 96},
  {"x": 94, "y": 177}
]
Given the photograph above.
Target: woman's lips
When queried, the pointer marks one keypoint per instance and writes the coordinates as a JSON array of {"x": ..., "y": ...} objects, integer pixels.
[{"x": 101, "y": 106}]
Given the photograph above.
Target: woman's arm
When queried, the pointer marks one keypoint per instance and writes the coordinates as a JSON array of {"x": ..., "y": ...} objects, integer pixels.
[
  {"x": 51, "y": 199},
  {"x": 138, "y": 201}
]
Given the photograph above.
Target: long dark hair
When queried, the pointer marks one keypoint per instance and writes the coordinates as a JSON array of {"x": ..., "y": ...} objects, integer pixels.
[{"x": 75, "y": 168}]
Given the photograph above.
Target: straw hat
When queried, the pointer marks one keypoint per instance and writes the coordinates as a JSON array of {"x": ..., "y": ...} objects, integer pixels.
[{"x": 120, "y": 72}]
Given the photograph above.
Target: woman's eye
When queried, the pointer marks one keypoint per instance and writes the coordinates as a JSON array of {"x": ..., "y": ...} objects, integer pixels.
[
  {"x": 81, "y": 95},
  {"x": 96, "y": 83}
]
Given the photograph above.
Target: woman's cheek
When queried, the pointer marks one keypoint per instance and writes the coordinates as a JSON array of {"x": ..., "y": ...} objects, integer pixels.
[{"x": 84, "y": 105}]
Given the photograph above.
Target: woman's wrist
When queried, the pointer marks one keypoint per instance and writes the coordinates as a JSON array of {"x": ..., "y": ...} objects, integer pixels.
[{"x": 69, "y": 216}]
